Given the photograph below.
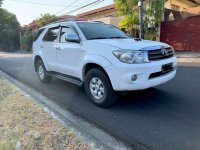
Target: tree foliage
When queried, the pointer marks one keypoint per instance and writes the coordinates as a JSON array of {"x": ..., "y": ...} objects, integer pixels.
[
  {"x": 153, "y": 13},
  {"x": 27, "y": 40},
  {"x": 9, "y": 31},
  {"x": 128, "y": 9},
  {"x": 45, "y": 19},
  {"x": 153, "y": 16},
  {"x": 1, "y": 2}
]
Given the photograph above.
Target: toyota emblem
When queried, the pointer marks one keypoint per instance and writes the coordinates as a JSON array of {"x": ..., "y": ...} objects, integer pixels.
[{"x": 164, "y": 52}]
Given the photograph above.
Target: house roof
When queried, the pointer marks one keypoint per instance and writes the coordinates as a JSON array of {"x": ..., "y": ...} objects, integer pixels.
[
  {"x": 71, "y": 17},
  {"x": 95, "y": 11}
]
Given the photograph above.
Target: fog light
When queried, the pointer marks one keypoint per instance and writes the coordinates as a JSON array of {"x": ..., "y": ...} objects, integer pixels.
[{"x": 134, "y": 77}]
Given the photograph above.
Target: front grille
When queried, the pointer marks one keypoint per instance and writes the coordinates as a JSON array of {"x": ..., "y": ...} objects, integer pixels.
[
  {"x": 161, "y": 73},
  {"x": 160, "y": 54}
]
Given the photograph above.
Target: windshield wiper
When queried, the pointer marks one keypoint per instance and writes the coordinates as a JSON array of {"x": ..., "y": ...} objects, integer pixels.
[
  {"x": 118, "y": 37},
  {"x": 98, "y": 38}
]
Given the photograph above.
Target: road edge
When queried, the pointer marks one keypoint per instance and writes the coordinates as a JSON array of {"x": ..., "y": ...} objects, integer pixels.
[{"x": 93, "y": 136}]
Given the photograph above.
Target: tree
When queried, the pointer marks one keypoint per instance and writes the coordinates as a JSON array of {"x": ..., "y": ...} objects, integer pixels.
[
  {"x": 45, "y": 19},
  {"x": 27, "y": 40},
  {"x": 153, "y": 12},
  {"x": 9, "y": 31},
  {"x": 128, "y": 9},
  {"x": 1, "y": 2}
]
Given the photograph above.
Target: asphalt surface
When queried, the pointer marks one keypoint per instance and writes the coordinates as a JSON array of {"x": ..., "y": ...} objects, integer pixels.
[{"x": 165, "y": 117}]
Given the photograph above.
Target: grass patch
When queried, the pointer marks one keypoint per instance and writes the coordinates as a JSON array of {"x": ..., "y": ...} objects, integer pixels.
[{"x": 23, "y": 121}]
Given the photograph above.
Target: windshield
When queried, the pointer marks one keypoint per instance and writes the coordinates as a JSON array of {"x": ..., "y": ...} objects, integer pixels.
[{"x": 101, "y": 31}]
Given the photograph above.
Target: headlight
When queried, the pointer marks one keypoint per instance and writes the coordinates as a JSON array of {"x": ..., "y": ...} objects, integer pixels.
[
  {"x": 172, "y": 48},
  {"x": 132, "y": 57}
]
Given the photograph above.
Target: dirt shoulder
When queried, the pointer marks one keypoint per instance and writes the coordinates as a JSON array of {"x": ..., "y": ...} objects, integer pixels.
[{"x": 25, "y": 125}]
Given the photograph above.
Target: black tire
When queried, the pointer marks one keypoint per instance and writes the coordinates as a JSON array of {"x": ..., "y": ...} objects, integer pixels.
[
  {"x": 109, "y": 96},
  {"x": 46, "y": 78}
]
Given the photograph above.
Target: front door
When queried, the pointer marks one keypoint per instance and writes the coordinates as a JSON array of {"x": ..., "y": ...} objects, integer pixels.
[{"x": 69, "y": 54}]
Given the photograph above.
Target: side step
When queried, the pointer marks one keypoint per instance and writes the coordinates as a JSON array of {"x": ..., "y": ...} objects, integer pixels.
[{"x": 68, "y": 79}]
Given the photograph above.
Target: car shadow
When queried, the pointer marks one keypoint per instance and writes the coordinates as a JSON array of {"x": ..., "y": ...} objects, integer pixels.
[{"x": 149, "y": 100}]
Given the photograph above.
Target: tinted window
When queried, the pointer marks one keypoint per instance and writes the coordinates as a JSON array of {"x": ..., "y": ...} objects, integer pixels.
[
  {"x": 64, "y": 32},
  {"x": 100, "y": 31},
  {"x": 38, "y": 33},
  {"x": 51, "y": 35}
]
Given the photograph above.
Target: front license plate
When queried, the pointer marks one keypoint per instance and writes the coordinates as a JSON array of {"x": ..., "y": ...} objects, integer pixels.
[{"x": 167, "y": 67}]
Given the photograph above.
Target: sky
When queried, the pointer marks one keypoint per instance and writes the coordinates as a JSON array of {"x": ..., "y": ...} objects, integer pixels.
[{"x": 26, "y": 10}]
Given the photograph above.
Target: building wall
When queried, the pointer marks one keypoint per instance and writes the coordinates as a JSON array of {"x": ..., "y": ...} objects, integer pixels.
[
  {"x": 109, "y": 20},
  {"x": 100, "y": 15},
  {"x": 107, "y": 17},
  {"x": 182, "y": 34}
]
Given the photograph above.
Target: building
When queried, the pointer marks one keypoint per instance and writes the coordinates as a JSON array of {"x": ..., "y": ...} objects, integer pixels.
[{"x": 105, "y": 14}]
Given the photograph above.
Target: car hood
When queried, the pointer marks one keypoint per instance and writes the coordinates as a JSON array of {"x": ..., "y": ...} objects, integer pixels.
[{"x": 130, "y": 44}]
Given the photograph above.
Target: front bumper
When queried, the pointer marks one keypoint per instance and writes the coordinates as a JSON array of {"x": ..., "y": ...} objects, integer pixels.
[{"x": 120, "y": 75}]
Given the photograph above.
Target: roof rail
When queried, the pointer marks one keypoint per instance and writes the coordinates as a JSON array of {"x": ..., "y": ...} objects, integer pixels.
[
  {"x": 60, "y": 21},
  {"x": 98, "y": 21}
]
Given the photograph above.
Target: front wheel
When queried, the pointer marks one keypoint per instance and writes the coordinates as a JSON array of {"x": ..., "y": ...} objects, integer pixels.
[
  {"x": 42, "y": 73},
  {"x": 99, "y": 88}
]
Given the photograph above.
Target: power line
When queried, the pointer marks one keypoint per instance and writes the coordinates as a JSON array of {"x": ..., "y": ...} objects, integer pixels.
[
  {"x": 71, "y": 6},
  {"x": 94, "y": 4},
  {"x": 67, "y": 6},
  {"x": 97, "y": 1}
]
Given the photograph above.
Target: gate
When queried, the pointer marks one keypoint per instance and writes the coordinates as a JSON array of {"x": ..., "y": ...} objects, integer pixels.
[{"x": 182, "y": 34}]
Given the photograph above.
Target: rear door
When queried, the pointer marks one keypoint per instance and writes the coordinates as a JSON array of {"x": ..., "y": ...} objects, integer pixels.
[{"x": 49, "y": 46}]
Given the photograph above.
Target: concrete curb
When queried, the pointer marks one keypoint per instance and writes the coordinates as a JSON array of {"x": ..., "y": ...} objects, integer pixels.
[
  {"x": 188, "y": 60},
  {"x": 93, "y": 136}
]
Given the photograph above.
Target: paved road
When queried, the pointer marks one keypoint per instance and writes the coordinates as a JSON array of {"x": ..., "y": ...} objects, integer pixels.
[{"x": 164, "y": 117}]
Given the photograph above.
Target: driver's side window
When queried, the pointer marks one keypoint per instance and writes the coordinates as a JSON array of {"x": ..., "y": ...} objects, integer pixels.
[{"x": 64, "y": 32}]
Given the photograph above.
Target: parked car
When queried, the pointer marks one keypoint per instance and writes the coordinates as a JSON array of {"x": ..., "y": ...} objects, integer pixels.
[{"x": 102, "y": 58}]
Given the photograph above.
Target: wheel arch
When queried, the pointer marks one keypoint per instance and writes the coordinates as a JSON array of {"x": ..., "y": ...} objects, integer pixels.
[
  {"x": 94, "y": 61},
  {"x": 36, "y": 59},
  {"x": 90, "y": 66}
]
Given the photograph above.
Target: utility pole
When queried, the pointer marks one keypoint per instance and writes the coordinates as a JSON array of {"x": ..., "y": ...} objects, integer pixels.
[
  {"x": 20, "y": 38},
  {"x": 140, "y": 5}
]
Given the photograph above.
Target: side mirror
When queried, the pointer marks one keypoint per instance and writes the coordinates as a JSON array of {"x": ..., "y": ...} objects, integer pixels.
[{"x": 72, "y": 38}]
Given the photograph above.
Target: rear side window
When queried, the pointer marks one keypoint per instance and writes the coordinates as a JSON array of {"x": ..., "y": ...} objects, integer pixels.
[
  {"x": 38, "y": 34},
  {"x": 51, "y": 35}
]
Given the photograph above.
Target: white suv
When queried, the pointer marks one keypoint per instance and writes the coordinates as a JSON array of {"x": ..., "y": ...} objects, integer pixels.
[{"x": 101, "y": 57}]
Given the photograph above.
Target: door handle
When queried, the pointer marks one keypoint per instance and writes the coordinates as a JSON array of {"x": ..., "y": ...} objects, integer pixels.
[
  {"x": 41, "y": 46},
  {"x": 58, "y": 48}
]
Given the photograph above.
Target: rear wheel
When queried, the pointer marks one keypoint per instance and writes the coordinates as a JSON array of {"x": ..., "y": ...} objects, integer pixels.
[
  {"x": 42, "y": 72},
  {"x": 99, "y": 88}
]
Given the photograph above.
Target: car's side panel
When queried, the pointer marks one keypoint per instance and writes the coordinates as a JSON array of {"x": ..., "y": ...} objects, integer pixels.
[{"x": 95, "y": 59}]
